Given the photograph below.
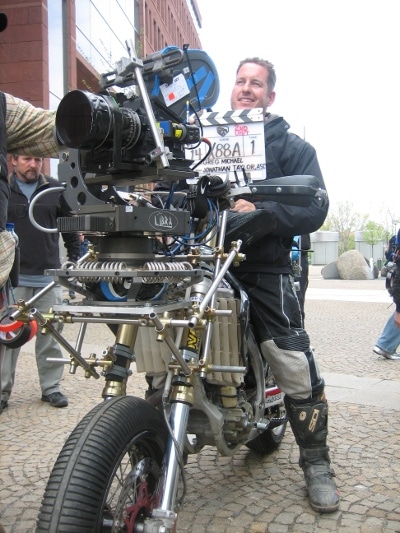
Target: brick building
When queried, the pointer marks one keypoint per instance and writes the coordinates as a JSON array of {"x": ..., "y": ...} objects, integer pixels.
[
  {"x": 164, "y": 23},
  {"x": 53, "y": 46},
  {"x": 25, "y": 69}
]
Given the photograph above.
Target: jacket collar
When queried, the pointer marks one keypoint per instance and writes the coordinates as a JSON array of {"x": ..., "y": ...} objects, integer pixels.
[
  {"x": 42, "y": 180},
  {"x": 275, "y": 126}
]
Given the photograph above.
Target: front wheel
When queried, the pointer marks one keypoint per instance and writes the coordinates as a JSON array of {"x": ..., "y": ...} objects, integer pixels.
[{"x": 108, "y": 474}]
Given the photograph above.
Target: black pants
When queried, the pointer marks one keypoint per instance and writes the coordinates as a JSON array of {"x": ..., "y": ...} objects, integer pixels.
[{"x": 278, "y": 325}]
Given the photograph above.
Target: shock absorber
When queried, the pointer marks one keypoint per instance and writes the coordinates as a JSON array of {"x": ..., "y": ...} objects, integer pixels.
[{"x": 117, "y": 376}]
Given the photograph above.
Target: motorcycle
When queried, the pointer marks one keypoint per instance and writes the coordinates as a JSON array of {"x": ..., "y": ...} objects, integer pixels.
[{"x": 161, "y": 278}]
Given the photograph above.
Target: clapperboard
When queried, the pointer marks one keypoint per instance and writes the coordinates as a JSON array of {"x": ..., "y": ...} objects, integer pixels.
[{"x": 237, "y": 140}]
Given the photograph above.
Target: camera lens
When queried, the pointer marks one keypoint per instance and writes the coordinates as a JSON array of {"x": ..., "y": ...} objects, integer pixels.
[{"x": 88, "y": 121}]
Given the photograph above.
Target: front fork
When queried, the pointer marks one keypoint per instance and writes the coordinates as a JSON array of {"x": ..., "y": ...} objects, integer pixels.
[{"x": 163, "y": 518}]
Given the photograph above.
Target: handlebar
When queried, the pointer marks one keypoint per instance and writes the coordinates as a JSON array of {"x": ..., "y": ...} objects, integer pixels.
[{"x": 298, "y": 190}]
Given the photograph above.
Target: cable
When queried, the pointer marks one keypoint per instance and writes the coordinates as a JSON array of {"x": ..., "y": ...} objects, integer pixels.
[
  {"x": 32, "y": 205},
  {"x": 206, "y": 141}
]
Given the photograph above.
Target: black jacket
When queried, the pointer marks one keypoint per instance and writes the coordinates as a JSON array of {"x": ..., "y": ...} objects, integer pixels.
[
  {"x": 396, "y": 277},
  {"x": 286, "y": 155},
  {"x": 40, "y": 250}
]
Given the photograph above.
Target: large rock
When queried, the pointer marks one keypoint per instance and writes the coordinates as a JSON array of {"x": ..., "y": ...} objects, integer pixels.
[
  {"x": 353, "y": 265},
  {"x": 330, "y": 271}
]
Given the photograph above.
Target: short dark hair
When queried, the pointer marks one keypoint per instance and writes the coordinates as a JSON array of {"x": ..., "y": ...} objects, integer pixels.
[{"x": 263, "y": 63}]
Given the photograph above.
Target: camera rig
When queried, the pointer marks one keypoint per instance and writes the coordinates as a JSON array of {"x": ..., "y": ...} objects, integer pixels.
[{"x": 130, "y": 137}]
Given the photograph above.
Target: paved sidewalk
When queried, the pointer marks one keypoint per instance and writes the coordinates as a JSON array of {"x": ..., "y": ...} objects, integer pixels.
[{"x": 246, "y": 493}]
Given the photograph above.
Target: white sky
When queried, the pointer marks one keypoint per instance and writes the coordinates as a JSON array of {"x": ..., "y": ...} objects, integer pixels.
[{"x": 337, "y": 64}]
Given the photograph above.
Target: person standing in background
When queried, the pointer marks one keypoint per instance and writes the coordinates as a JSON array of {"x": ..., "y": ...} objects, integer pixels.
[
  {"x": 389, "y": 339},
  {"x": 84, "y": 244},
  {"x": 39, "y": 250}
]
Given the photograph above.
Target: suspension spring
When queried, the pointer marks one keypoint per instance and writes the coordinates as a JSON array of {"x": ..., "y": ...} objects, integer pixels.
[
  {"x": 159, "y": 266},
  {"x": 114, "y": 266}
]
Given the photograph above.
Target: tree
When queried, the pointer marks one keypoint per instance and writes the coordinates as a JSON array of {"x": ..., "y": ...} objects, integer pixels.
[
  {"x": 374, "y": 233},
  {"x": 345, "y": 221}
]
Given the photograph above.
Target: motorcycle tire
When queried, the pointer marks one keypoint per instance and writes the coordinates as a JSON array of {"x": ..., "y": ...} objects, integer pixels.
[
  {"x": 269, "y": 440},
  {"x": 107, "y": 476}
]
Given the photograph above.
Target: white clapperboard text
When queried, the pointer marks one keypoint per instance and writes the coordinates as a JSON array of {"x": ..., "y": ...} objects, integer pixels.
[{"x": 237, "y": 140}]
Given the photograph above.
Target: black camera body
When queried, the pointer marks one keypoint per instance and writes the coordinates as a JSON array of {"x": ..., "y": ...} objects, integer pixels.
[
  {"x": 113, "y": 132},
  {"x": 119, "y": 132}
]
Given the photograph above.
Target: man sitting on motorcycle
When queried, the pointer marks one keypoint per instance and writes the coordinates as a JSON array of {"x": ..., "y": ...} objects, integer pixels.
[{"x": 267, "y": 277}]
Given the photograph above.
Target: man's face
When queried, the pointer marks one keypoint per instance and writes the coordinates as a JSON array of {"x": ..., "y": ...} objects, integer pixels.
[
  {"x": 251, "y": 88},
  {"x": 27, "y": 168}
]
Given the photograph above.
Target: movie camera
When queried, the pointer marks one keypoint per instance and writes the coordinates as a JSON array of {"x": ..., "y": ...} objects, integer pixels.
[{"x": 133, "y": 132}]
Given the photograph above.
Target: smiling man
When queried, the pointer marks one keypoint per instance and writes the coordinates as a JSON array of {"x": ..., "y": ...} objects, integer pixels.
[
  {"x": 267, "y": 275},
  {"x": 254, "y": 86}
]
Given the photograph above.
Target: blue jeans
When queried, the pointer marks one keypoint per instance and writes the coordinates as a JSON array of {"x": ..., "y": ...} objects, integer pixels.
[{"x": 390, "y": 336}]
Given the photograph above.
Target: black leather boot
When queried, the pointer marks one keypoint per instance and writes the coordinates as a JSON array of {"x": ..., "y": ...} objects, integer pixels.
[{"x": 309, "y": 422}]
